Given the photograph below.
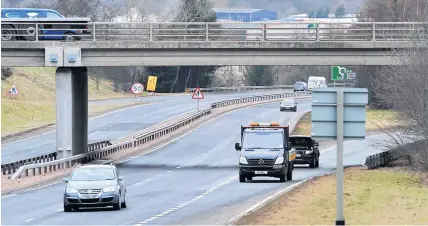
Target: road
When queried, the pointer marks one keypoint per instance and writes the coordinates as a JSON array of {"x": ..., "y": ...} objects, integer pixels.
[
  {"x": 120, "y": 123},
  {"x": 192, "y": 180}
]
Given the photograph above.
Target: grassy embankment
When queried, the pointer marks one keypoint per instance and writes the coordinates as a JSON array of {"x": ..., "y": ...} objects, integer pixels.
[
  {"x": 35, "y": 105},
  {"x": 375, "y": 197},
  {"x": 374, "y": 119}
]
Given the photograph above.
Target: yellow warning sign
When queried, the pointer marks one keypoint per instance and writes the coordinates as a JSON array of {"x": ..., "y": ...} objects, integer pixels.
[{"x": 151, "y": 83}]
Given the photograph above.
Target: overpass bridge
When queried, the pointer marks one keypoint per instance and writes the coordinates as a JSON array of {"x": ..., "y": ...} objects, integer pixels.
[{"x": 173, "y": 44}]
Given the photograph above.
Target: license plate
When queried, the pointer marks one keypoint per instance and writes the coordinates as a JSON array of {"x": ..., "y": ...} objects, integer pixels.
[
  {"x": 261, "y": 172},
  {"x": 298, "y": 155},
  {"x": 94, "y": 196}
]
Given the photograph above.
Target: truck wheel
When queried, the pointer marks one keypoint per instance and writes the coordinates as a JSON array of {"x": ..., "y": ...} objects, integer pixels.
[
  {"x": 241, "y": 178},
  {"x": 7, "y": 33},
  {"x": 290, "y": 175}
]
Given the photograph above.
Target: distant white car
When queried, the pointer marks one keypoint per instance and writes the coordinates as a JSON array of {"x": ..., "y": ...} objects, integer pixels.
[{"x": 288, "y": 104}]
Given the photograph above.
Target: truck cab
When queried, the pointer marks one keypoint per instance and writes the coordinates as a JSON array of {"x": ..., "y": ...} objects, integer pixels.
[
  {"x": 265, "y": 152},
  {"x": 306, "y": 149}
]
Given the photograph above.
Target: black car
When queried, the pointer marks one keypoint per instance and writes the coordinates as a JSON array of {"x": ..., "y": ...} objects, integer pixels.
[
  {"x": 306, "y": 149},
  {"x": 265, "y": 152},
  {"x": 95, "y": 186}
]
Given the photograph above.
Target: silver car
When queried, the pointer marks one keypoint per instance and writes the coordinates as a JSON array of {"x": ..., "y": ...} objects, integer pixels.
[
  {"x": 94, "y": 186},
  {"x": 288, "y": 104}
]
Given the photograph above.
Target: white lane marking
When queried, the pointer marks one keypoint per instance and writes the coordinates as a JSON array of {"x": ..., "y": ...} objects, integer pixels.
[
  {"x": 31, "y": 219},
  {"x": 59, "y": 210},
  {"x": 188, "y": 202},
  {"x": 148, "y": 179},
  {"x": 191, "y": 131},
  {"x": 7, "y": 196},
  {"x": 168, "y": 171}
]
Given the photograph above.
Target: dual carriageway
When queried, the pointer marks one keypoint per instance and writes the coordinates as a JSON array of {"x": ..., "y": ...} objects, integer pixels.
[{"x": 192, "y": 180}]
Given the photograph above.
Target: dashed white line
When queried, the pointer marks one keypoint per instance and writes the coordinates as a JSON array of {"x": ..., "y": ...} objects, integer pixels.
[
  {"x": 59, "y": 210},
  {"x": 188, "y": 202},
  {"x": 168, "y": 171},
  {"x": 30, "y": 220}
]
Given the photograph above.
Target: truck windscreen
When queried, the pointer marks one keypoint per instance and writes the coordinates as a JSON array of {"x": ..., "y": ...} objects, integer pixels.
[{"x": 263, "y": 140}]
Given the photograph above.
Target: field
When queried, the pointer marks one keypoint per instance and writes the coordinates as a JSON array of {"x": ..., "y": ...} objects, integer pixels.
[
  {"x": 375, "y": 119},
  {"x": 375, "y": 197},
  {"x": 35, "y": 105}
]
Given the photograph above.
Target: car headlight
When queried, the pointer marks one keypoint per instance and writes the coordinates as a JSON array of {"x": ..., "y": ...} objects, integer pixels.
[
  {"x": 109, "y": 189},
  {"x": 279, "y": 160},
  {"x": 70, "y": 190},
  {"x": 243, "y": 160},
  {"x": 308, "y": 152}
]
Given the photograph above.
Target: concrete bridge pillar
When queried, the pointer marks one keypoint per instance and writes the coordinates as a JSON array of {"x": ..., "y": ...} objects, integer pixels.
[{"x": 71, "y": 111}]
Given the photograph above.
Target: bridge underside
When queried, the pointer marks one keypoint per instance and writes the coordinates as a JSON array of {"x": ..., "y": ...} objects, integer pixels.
[{"x": 199, "y": 57}]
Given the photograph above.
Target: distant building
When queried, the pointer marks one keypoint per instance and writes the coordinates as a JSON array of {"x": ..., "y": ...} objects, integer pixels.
[{"x": 245, "y": 15}]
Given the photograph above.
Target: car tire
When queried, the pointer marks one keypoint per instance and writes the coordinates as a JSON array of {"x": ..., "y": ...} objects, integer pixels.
[
  {"x": 249, "y": 178},
  {"x": 123, "y": 205},
  {"x": 29, "y": 31},
  {"x": 317, "y": 164},
  {"x": 67, "y": 208},
  {"x": 69, "y": 38},
  {"x": 118, "y": 205},
  {"x": 242, "y": 178},
  {"x": 8, "y": 33},
  {"x": 313, "y": 162},
  {"x": 295, "y": 109}
]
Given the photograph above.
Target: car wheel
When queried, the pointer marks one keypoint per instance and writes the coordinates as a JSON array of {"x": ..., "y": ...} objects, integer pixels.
[
  {"x": 67, "y": 208},
  {"x": 290, "y": 175},
  {"x": 7, "y": 33},
  {"x": 249, "y": 178},
  {"x": 283, "y": 178},
  {"x": 69, "y": 38},
  {"x": 313, "y": 162},
  {"x": 123, "y": 205},
  {"x": 317, "y": 164},
  {"x": 118, "y": 205},
  {"x": 241, "y": 178}
]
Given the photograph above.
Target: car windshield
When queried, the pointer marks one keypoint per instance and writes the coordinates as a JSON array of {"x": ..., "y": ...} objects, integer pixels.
[
  {"x": 263, "y": 140},
  {"x": 298, "y": 83},
  {"x": 288, "y": 101},
  {"x": 93, "y": 174}
]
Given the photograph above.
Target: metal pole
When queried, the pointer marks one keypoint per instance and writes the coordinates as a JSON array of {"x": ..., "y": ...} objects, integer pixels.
[
  {"x": 198, "y": 105},
  {"x": 340, "y": 220}
]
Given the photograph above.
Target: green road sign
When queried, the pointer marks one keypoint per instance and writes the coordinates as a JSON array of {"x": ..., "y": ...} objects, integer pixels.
[{"x": 338, "y": 73}]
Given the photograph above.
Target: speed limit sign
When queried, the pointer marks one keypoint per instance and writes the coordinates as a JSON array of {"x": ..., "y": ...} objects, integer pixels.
[{"x": 137, "y": 88}]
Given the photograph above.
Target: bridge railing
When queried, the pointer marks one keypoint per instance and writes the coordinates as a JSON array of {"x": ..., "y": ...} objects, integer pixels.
[
  {"x": 46, "y": 167},
  {"x": 216, "y": 31},
  {"x": 241, "y": 88}
]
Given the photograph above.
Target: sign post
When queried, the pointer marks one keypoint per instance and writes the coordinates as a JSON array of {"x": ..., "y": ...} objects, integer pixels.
[
  {"x": 339, "y": 114},
  {"x": 198, "y": 95},
  {"x": 137, "y": 88}
]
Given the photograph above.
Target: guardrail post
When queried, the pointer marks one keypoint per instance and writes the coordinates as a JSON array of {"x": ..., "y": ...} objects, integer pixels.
[
  {"x": 93, "y": 32},
  {"x": 317, "y": 32},
  {"x": 37, "y": 32},
  {"x": 373, "y": 32},
  {"x": 206, "y": 32},
  {"x": 263, "y": 32},
  {"x": 150, "y": 32}
]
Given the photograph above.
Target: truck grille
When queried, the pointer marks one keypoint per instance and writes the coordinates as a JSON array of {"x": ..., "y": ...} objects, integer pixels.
[
  {"x": 261, "y": 162},
  {"x": 89, "y": 191}
]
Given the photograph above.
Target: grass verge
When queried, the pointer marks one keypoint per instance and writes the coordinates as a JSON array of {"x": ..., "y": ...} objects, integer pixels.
[
  {"x": 375, "y": 197},
  {"x": 35, "y": 104},
  {"x": 374, "y": 119}
]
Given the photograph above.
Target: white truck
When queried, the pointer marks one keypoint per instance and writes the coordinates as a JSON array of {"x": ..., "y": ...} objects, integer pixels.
[{"x": 316, "y": 82}]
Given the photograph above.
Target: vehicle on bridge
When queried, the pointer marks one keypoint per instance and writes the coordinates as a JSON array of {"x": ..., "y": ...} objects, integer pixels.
[
  {"x": 306, "y": 149},
  {"x": 288, "y": 104},
  {"x": 316, "y": 82},
  {"x": 20, "y": 24},
  {"x": 95, "y": 186},
  {"x": 265, "y": 151},
  {"x": 300, "y": 86}
]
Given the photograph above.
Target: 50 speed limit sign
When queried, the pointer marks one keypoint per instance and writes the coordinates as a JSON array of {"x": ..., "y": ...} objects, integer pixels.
[{"x": 137, "y": 88}]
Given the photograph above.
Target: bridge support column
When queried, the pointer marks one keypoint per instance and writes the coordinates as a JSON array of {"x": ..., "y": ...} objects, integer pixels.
[{"x": 71, "y": 111}]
